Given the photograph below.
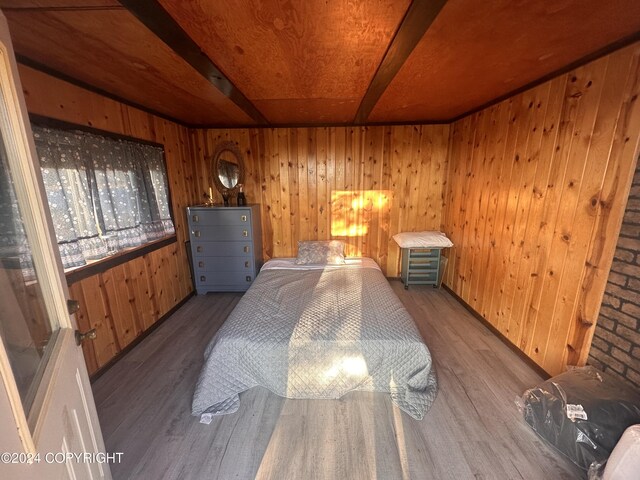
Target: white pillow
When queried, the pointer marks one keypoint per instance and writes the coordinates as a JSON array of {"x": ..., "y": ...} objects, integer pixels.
[
  {"x": 329, "y": 252},
  {"x": 624, "y": 462},
  {"x": 422, "y": 240}
]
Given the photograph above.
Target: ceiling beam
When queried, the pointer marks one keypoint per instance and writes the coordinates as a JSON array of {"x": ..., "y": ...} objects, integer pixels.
[
  {"x": 419, "y": 17},
  {"x": 158, "y": 20}
]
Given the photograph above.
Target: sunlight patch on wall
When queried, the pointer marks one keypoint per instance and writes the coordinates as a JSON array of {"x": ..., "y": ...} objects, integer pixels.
[
  {"x": 352, "y": 212},
  {"x": 358, "y": 214}
]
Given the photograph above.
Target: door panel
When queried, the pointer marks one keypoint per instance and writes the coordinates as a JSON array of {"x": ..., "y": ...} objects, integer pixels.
[
  {"x": 25, "y": 327},
  {"x": 65, "y": 430},
  {"x": 47, "y": 411}
]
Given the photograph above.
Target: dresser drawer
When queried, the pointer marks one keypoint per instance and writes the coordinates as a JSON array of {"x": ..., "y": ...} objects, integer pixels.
[
  {"x": 203, "y": 265},
  {"x": 214, "y": 233},
  {"x": 223, "y": 278},
  {"x": 221, "y": 249},
  {"x": 219, "y": 217}
]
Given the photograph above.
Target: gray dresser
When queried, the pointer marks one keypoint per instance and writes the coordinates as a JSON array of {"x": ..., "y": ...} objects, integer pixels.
[{"x": 226, "y": 247}]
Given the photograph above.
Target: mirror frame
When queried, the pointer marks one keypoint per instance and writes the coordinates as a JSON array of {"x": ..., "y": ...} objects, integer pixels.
[{"x": 215, "y": 159}]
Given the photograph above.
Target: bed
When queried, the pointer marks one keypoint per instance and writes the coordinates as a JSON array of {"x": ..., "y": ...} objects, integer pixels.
[{"x": 317, "y": 331}]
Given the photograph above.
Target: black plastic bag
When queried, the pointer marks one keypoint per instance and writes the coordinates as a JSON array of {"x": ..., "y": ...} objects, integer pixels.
[{"x": 582, "y": 413}]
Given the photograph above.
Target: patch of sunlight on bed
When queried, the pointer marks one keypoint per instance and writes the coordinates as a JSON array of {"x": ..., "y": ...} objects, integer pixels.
[{"x": 351, "y": 366}]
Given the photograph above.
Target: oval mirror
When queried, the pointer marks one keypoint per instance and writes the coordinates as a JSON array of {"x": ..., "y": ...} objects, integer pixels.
[{"x": 227, "y": 169}]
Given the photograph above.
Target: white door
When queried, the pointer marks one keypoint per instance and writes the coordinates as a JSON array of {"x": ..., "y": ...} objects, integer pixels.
[{"x": 48, "y": 423}]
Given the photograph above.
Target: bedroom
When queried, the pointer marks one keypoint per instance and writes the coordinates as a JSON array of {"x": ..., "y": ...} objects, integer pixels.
[{"x": 512, "y": 128}]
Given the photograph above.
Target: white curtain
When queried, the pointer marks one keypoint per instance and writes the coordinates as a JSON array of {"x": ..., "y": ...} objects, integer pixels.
[{"x": 104, "y": 194}]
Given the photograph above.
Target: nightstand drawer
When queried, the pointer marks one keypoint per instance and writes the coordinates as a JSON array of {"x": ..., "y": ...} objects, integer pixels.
[
  {"x": 419, "y": 253},
  {"x": 423, "y": 263},
  {"x": 427, "y": 278}
]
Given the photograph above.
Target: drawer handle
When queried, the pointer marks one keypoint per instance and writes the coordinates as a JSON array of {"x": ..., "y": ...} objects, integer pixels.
[
  {"x": 246, "y": 249},
  {"x": 245, "y": 233},
  {"x": 248, "y": 278},
  {"x": 196, "y": 233},
  {"x": 201, "y": 264},
  {"x": 196, "y": 218},
  {"x": 246, "y": 264},
  {"x": 199, "y": 249},
  {"x": 203, "y": 278},
  {"x": 243, "y": 218}
]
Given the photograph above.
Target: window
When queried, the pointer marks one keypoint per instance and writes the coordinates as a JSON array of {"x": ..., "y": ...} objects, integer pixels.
[
  {"x": 104, "y": 194},
  {"x": 25, "y": 328}
]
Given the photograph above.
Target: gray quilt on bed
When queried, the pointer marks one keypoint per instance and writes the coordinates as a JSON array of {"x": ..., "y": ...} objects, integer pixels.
[{"x": 317, "y": 334}]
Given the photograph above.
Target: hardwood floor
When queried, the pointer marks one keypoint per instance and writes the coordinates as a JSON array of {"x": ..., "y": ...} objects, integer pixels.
[{"x": 473, "y": 430}]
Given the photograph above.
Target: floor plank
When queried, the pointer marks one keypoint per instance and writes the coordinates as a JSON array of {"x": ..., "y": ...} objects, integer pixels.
[{"x": 473, "y": 430}]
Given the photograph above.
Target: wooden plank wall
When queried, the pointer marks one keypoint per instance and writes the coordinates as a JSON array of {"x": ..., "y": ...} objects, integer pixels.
[
  {"x": 536, "y": 190},
  {"x": 124, "y": 301},
  {"x": 358, "y": 184},
  {"x": 530, "y": 190}
]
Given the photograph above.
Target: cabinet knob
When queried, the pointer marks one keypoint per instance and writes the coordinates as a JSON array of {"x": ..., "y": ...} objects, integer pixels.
[
  {"x": 201, "y": 264},
  {"x": 246, "y": 249},
  {"x": 246, "y": 264},
  {"x": 248, "y": 277},
  {"x": 199, "y": 249},
  {"x": 203, "y": 278},
  {"x": 245, "y": 233},
  {"x": 243, "y": 218},
  {"x": 196, "y": 233},
  {"x": 195, "y": 218}
]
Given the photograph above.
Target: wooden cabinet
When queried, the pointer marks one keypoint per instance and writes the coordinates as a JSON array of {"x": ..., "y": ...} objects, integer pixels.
[
  {"x": 420, "y": 266},
  {"x": 226, "y": 247}
]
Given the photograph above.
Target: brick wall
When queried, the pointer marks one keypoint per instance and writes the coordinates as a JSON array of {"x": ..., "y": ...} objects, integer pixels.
[{"x": 616, "y": 342}]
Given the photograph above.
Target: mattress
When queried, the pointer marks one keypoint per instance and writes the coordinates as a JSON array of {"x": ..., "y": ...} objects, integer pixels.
[{"x": 317, "y": 332}]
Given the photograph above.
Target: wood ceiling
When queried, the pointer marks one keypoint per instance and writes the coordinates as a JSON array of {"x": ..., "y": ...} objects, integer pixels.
[{"x": 312, "y": 62}]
